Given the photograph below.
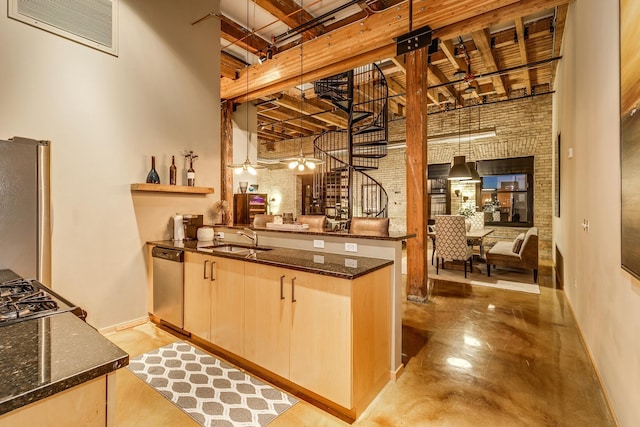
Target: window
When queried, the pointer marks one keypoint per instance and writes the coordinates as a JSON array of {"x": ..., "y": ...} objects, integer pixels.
[{"x": 507, "y": 191}]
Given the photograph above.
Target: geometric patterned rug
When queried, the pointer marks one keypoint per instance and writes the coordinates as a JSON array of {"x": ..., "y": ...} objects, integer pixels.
[{"x": 209, "y": 390}]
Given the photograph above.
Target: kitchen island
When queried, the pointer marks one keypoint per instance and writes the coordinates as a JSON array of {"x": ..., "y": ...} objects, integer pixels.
[
  {"x": 56, "y": 370},
  {"x": 314, "y": 322}
]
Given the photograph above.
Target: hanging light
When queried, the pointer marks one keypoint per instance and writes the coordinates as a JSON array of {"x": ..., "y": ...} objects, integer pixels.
[
  {"x": 302, "y": 162},
  {"x": 459, "y": 170},
  {"x": 475, "y": 176},
  {"x": 247, "y": 166}
]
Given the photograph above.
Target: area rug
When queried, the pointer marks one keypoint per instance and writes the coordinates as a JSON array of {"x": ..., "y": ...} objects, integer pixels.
[
  {"x": 501, "y": 278},
  {"x": 209, "y": 390}
]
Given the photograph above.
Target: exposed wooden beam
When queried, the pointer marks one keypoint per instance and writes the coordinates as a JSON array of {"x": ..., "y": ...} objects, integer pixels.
[
  {"x": 226, "y": 157},
  {"x": 481, "y": 38},
  {"x": 417, "y": 210},
  {"x": 524, "y": 57},
  {"x": 449, "y": 50},
  {"x": 301, "y": 126},
  {"x": 288, "y": 12},
  {"x": 241, "y": 36},
  {"x": 230, "y": 66},
  {"x": 356, "y": 44}
]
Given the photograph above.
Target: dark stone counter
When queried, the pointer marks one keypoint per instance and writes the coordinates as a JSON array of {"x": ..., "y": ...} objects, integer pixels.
[
  {"x": 342, "y": 266},
  {"x": 44, "y": 356},
  {"x": 342, "y": 233}
]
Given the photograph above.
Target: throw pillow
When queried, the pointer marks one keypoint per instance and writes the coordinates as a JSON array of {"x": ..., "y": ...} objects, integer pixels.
[{"x": 517, "y": 243}]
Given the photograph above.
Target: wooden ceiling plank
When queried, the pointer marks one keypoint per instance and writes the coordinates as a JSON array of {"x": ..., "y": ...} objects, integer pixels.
[
  {"x": 357, "y": 44},
  {"x": 306, "y": 108}
]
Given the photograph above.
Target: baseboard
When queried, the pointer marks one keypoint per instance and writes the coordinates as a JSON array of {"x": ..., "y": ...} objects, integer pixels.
[
  {"x": 605, "y": 392},
  {"x": 124, "y": 325},
  {"x": 395, "y": 375}
]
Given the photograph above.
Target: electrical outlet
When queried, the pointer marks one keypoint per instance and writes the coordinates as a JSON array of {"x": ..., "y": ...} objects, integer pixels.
[
  {"x": 220, "y": 234},
  {"x": 353, "y": 263},
  {"x": 318, "y": 259},
  {"x": 318, "y": 244},
  {"x": 351, "y": 247}
]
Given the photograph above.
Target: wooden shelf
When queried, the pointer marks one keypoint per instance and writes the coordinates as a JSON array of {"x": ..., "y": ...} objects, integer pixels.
[{"x": 161, "y": 188}]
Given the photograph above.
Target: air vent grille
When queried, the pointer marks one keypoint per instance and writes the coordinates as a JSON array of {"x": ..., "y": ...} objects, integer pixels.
[{"x": 91, "y": 22}]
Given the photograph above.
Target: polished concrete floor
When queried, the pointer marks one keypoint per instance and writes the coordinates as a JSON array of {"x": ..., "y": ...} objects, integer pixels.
[{"x": 475, "y": 356}]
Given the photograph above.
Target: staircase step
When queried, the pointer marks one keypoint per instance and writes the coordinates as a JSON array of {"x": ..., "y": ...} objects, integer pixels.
[
  {"x": 370, "y": 156},
  {"x": 341, "y": 104},
  {"x": 368, "y": 129},
  {"x": 370, "y": 143},
  {"x": 356, "y": 116}
]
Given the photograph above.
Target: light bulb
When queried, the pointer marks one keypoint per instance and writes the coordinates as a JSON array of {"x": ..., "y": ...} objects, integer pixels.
[
  {"x": 292, "y": 165},
  {"x": 311, "y": 165},
  {"x": 252, "y": 170},
  {"x": 238, "y": 170},
  {"x": 301, "y": 167}
]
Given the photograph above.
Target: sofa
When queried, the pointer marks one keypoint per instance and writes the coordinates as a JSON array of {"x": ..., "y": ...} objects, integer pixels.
[{"x": 520, "y": 253}]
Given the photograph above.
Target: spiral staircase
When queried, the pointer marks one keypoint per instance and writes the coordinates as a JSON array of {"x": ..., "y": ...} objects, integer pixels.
[{"x": 342, "y": 189}]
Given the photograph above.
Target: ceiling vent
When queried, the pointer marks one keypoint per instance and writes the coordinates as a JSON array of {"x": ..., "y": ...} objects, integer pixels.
[{"x": 89, "y": 22}]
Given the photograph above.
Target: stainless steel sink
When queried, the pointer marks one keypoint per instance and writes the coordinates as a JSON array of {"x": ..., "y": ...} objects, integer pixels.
[{"x": 239, "y": 250}]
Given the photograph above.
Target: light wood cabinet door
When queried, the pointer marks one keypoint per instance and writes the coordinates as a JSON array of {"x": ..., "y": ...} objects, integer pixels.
[
  {"x": 321, "y": 339},
  {"x": 267, "y": 317},
  {"x": 227, "y": 304},
  {"x": 197, "y": 294}
]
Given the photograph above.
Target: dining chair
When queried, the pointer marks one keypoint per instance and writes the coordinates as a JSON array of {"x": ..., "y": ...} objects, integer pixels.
[
  {"x": 451, "y": 235},
  {"x": 261, "y": 220},
  {"x": 477, "y": 223}
]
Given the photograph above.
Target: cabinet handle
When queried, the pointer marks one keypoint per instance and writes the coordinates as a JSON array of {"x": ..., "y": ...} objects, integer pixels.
[
  {"x": 212, "y": 278},
  {"x": 293, "y": 290},
  {"x": 204, "y": 273},
  {"x": 282, "y": 287}
]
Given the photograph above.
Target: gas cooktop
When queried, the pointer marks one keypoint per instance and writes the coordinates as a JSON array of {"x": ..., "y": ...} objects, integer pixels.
[{"x": 24, "y": 299}]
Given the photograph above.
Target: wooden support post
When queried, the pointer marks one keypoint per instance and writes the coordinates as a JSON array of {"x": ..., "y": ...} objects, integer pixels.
[
  {"x": 416, "y": 160},
  {"x": 226, "y": 156}
]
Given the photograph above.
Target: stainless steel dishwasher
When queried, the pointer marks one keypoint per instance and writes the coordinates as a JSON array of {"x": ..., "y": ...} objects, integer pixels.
[{"x": 168, "y": 285}]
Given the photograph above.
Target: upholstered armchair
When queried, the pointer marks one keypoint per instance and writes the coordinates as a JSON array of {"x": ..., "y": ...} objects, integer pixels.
[
  {"x": 365, "y": 226},
  {"x": 451, "y": 238},
  {"x": 521, "y": 253},
  {"x": 315, "y": 222}
]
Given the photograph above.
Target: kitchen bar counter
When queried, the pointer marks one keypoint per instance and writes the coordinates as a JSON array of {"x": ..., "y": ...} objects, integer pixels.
[
  {"x": 44, "y": 356},
  {"x": 328, "y": 264},
  {"x": 392, "y": 236}
]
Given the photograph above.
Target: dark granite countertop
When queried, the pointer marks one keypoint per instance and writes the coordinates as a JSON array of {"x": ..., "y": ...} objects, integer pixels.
[
  {"x": 44, "y": 356},
  {"x": 342, "y": 266},
  {"x": 392, "y": 235}
]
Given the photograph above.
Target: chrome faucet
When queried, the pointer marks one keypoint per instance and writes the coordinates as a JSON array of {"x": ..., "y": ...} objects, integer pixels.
[{"x": 253, "y": 236}]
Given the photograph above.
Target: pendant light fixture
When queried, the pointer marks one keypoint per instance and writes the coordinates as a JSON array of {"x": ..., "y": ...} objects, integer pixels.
[
  {"x": 302, "y": 162},
  {"x": 459, "y": 170},
  {"x": 247, "y": 166}
]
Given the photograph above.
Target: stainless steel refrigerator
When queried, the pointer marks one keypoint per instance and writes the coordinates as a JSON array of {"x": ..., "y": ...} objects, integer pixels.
[{"x": 25, "y": 229}]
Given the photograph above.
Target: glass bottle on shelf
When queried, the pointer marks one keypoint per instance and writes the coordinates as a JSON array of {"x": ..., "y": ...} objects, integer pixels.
[
  {"x": 173, "y": 171},
  {"x": 191, "y": 174},
  {"x": 152, "y": 176}
]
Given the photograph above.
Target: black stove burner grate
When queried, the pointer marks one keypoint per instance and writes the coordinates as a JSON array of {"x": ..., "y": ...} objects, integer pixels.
[{"x": 23, "y": 299}]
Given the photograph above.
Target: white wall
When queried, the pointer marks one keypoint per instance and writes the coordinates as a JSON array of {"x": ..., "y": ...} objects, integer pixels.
[
  {"x": 106, "y": 116},
  {"x": 604, "y": 298}
]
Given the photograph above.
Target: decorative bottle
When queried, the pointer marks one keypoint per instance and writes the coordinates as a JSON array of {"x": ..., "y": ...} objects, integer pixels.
[
  {"x": 191, "y": 174},
  {"x": 173, "y": 171},
  {"x": 152, "y": 176}
]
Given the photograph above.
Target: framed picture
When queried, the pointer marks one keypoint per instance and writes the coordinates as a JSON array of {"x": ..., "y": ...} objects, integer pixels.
[{"x": 630, "y": 135}]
